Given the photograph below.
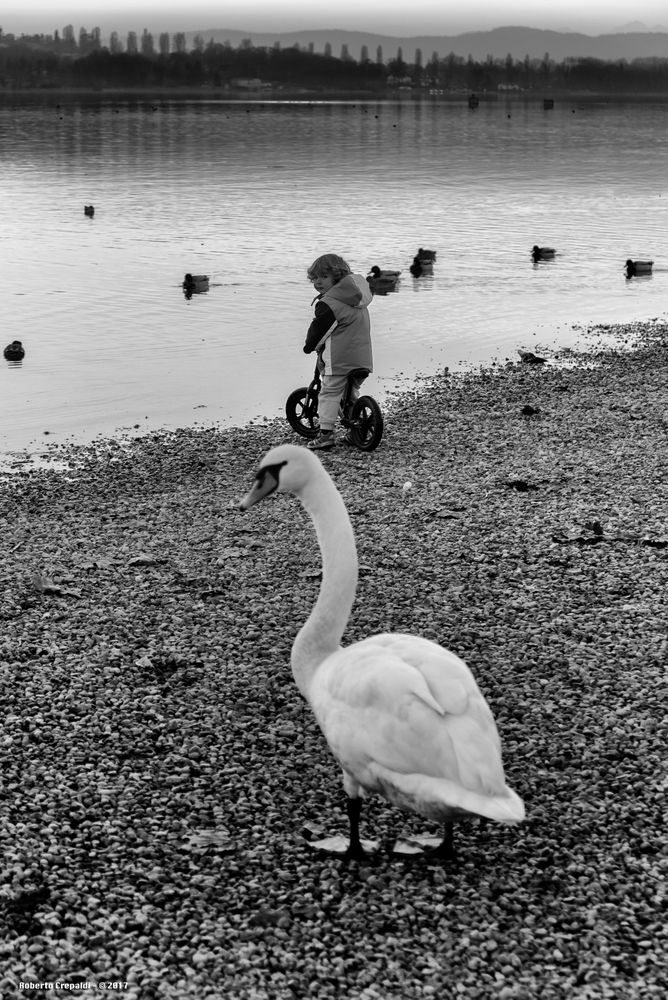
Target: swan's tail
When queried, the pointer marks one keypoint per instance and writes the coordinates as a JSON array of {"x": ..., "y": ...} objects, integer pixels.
[{"x": 441, "y": 799}]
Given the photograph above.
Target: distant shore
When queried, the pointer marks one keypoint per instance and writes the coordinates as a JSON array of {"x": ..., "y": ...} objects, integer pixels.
[{"x": 302, "y": 93}]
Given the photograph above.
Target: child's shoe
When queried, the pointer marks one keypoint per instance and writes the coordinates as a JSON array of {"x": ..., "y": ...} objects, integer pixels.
[{"x": 325, "y": 439}]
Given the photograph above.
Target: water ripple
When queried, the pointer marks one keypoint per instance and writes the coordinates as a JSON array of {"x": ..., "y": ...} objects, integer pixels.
[{"x": 250, "y": 193}]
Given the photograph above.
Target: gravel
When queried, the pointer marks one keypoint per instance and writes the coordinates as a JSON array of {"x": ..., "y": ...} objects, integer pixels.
[{"x": 161, "y": 776}]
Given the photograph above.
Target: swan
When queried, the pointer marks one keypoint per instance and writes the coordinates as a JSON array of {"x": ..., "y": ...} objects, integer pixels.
[{"x": 403, "y": 716}]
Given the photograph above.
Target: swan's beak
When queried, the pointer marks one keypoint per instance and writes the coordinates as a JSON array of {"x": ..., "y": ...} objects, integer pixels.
[{"x": 265, "y": 483}]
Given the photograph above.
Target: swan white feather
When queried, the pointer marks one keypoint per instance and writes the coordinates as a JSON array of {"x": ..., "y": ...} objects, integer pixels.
[{"x": 403, "y": 716}]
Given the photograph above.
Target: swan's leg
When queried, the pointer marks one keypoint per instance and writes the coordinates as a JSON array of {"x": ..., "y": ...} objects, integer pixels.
[
  {"x": 354, "y": 809},
  {"x": 447, "y": 847},
  {"x": 445, "y": 850}
]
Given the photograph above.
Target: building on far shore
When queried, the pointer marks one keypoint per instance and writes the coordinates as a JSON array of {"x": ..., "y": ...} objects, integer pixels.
[{"x": 254, "y": 83}]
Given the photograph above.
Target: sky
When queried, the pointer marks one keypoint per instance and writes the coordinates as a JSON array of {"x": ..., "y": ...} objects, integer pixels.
[{"x": 390, "y": 17}]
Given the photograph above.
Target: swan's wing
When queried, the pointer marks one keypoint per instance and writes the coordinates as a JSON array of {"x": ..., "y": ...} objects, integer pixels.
[{"x": 403, "y": 705}]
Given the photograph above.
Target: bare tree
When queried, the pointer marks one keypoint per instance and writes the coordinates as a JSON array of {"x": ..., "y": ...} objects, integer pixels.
[{"x": 147, "y": 47}]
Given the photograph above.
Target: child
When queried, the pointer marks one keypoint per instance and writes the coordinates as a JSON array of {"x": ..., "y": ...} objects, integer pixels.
[{"x": 340, "y": 333}]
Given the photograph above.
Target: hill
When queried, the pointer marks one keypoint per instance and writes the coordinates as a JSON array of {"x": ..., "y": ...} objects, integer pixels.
[{"x": 514, "y": 40}]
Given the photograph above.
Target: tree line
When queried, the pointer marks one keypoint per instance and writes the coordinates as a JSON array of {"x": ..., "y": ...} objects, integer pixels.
[{"x": 62, "y": 60}]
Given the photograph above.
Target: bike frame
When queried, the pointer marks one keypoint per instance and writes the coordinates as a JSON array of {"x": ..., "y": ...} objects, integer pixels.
[{"x": 346, "y": 402}]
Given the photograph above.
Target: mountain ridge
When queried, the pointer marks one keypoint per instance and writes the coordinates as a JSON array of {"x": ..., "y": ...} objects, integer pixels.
[{"x": 515, "y": 40}]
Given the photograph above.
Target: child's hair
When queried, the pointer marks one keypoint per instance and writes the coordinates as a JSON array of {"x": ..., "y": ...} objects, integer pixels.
[{"x": 329, "y": 263}]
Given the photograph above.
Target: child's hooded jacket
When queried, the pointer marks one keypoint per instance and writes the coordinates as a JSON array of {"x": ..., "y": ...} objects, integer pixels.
[{"x": 341, "y": 331}]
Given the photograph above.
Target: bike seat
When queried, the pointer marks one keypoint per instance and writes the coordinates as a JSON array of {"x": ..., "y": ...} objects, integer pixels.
[{"x": 360, "y": 373}]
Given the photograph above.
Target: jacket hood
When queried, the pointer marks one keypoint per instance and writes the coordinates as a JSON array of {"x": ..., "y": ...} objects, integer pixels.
[{"x": 352, "y": 290}]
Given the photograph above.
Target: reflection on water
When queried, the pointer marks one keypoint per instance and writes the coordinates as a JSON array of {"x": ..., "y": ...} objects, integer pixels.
[{"x": 249, "y": 194}]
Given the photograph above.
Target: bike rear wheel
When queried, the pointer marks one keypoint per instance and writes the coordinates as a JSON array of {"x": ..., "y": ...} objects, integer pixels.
[
  {"x": 366, "y": 423},
  {"x": 301, "y": 410}
]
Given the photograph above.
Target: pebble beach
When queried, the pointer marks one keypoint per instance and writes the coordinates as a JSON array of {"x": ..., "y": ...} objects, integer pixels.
[{"x": 162, "y": 777}]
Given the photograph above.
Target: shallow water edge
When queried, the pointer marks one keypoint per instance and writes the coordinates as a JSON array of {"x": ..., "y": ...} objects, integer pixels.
[{"x": 607, "y": 342}]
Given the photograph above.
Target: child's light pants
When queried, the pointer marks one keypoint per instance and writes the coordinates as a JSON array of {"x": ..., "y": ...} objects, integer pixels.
[{"x": 331, "y": 392}]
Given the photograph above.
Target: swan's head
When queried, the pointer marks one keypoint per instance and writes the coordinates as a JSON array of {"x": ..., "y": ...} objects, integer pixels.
[{"x": 286, "y": 469}]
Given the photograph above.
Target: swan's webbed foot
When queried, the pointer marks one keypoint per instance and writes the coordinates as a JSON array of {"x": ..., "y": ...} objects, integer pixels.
[
  {"x": 354, "y": 849},
  {"x": 355, "y": 852},
  {"x": 342, "y": 848}
]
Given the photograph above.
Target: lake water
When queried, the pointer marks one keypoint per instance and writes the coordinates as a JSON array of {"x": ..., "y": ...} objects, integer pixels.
[{"x": 251, "y": 192}]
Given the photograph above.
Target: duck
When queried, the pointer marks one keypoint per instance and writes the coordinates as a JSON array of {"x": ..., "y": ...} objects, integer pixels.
[
  {"x": 196, "y": 282},
  {"x": 382, "y": 281},
  {"x": 423, "y": 263},
  {"x": 542, "y": 253},
  {"x": 14, "y": 351},
  {"x": 403, "y": 716},
  {"x": 89, "y": 210},
  {"x": 378, "y": 274},
  {"x": 529, "y": 358},
  {"x": 636, "y": 267}
]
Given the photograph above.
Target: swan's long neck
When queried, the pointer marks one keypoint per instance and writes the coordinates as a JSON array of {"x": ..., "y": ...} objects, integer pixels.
[{"x": 321, "y": 634}]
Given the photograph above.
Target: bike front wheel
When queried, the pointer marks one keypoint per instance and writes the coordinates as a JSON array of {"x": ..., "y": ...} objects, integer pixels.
[
  {"x": 301, "y": 410},
  {"x": 366, "y": 423}
]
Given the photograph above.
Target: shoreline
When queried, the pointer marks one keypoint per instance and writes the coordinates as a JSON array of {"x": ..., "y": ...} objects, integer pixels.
[
  {"x": 290, "y": 93},
  {"x": 623, "y": 343},
  {"x": 596, "y": 340},
  {"x": 162, "y": 766}
]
